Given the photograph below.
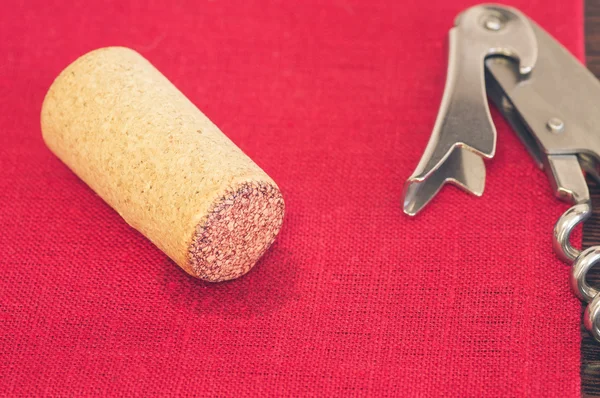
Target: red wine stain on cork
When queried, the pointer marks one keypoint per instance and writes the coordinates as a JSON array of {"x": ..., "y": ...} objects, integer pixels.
[{"x": 237, "y": 232}]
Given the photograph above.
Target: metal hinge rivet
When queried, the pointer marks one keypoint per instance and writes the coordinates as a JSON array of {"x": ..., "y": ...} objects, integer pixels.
[
  {"x": 556, "y": 125},
  {"x": 493, "y": 23}
]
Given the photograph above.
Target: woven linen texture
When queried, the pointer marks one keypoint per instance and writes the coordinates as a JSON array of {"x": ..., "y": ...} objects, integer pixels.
[{"x": 336, "y": 101}]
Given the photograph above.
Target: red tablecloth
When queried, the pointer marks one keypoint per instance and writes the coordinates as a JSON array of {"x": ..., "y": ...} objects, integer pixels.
[{"x": 336, "y": 101}]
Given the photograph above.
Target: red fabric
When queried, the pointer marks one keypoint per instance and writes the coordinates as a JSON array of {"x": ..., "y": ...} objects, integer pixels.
[{"x": 336, "y": 101}]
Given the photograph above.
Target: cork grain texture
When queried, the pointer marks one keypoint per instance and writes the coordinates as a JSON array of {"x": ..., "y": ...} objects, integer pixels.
[{"x": 156, "y": 159}]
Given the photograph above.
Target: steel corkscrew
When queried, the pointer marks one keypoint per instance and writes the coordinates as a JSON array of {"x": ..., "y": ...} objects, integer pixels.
[{"x": 550, "y": 100}]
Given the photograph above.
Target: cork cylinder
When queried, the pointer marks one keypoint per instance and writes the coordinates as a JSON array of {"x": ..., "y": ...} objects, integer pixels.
[{"x": 145, "y": 149}]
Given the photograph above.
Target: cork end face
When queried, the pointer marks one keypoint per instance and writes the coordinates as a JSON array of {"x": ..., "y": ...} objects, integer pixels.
[{"x": 238, "y": 231}]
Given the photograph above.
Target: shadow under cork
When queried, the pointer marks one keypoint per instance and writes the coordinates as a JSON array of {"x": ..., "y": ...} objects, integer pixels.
[{"x": 270, "y": 285}]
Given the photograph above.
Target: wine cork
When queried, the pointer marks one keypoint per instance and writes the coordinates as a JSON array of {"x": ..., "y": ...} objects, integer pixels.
[{"x": 145, "y": 149}]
